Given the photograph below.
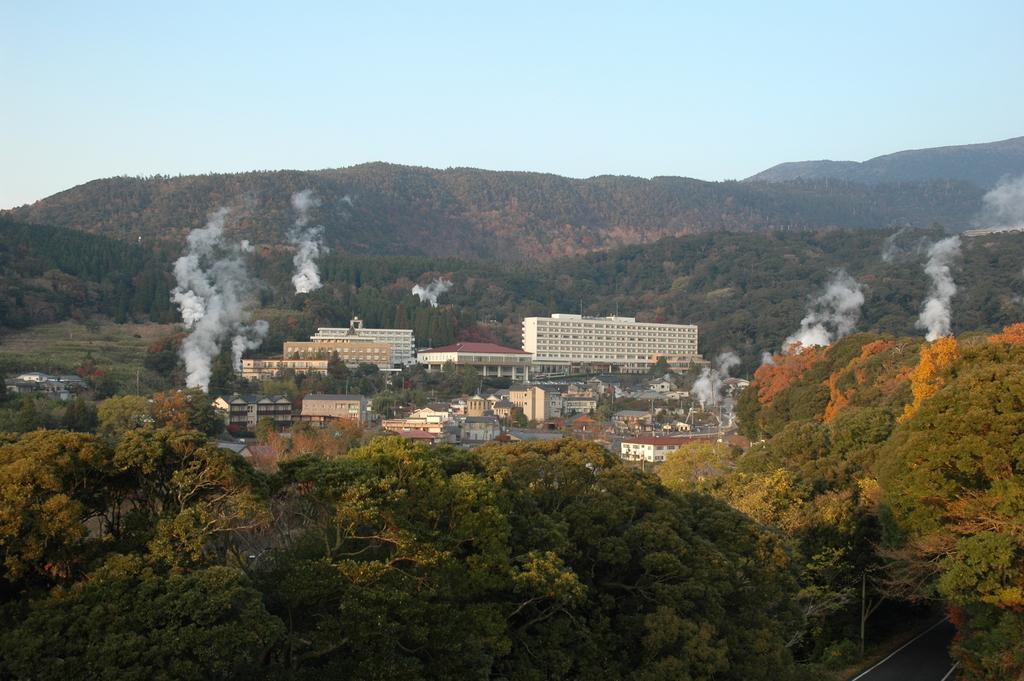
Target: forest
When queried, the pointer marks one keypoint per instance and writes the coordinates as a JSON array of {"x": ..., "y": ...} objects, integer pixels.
[
  {"x": 144, "y": 552},
  {"x": 386, "y": 209}
]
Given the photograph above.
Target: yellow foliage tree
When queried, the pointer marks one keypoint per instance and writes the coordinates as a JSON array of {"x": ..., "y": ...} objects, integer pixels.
[{"x": 924, "y": 381}]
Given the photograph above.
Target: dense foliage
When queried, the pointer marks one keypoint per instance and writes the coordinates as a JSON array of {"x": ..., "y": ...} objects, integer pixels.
[
  {"x": 382, "y": 209},
  {"x": 896, "y": 464},
  {"x": 49, "y": 274},
  {"x": 146, "y": 553}
]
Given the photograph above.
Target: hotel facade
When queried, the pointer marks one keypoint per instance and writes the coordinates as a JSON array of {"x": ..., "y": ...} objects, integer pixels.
[
  {"x": 563, "y": 341},
  {"x": 402, "y": 342}
]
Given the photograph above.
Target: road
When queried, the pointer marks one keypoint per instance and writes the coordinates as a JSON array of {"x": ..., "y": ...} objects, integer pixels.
[{"x": 924, "y": 658}]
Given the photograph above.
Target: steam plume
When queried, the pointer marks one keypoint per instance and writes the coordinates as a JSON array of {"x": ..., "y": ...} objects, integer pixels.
[
  {"x": 308, "y": 242},
  {"x": 1004, "y": 205},
  {"x": 431, "y": 291},
  {"x": 936, "y": 317},
  {"x": 708, "y": 388},
  {"x": 831, "y": 316},
  {"x": 212, "y": 294}
]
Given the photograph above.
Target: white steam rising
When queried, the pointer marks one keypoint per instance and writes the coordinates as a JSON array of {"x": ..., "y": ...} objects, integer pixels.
[
  {"x": 431, "y": 291},
  {"x": 1004, "y": 205},
  {"x": 212, "y": 293},
  {"x": 708, "y": 388},
  {"x": 936, "y": 317},
  {"x": 831, "y": 315},
  {"x": 308, "y": 243}
]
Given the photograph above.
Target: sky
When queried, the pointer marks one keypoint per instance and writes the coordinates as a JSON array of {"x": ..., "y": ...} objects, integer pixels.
[{"x": 707, "y": 90}]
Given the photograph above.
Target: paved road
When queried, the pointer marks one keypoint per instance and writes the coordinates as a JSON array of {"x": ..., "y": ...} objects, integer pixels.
[{"x": 925, "y": 658}]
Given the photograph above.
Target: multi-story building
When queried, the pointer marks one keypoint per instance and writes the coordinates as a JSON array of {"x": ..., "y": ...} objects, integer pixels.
[
  {"x": 536, "y": 402},
  {"x": 562, "y": 341},
  {"x": 578, "y": 404},
  {"x": 489, "y": 359},
  {"x": 261, "y": 369},
  {"x": 479, "y": 429},
  {"x": 652, "y": 449},
  {"x": 245, "y": 411},
  {"x": 351, "y": 351},
  {"x": 402, "y": 342},
  {"x": 323, "y": 409}
]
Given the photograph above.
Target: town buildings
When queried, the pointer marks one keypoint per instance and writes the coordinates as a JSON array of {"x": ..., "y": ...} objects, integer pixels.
[
  {"x": 562, "y": 342},
  {"x": 652, "y": 449},
  {"x": 401, "y": 341},
  {"x": 245, "y": 411},
  {"x": 538, "y": 403},
  {"x": 262, "y": 369},
  {"x": 489, "y": 359},
  {"x": 349, "y": 351},
  {"x": 323, "y": 409}
]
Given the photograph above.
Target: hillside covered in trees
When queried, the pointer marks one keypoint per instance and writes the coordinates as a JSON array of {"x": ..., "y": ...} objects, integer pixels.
[
  {"x": 144, "y": 548},
  {"x": 383, "y": 209},
  {"x": 893, "y": 468},
  {"x": 747, "y": 292}
]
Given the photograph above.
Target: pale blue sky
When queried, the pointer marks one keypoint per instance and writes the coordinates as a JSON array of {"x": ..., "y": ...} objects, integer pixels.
[{"x": 708, "y": 90}]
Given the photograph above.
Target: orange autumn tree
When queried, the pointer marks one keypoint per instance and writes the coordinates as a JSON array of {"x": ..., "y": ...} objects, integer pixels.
[
  {"x": 784, "y": 370},
  {"x": 1013, "y": 334},
  {"x": 924, "y": 381},
  {"x": 838, "y": 399}
]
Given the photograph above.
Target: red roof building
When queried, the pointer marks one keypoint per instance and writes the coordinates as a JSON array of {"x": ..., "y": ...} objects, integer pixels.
[{"x": 489, "y": 359}]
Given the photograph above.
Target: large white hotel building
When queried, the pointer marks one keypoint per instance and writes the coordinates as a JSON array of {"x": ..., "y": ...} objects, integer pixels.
[{"x": 562, "y": 341}]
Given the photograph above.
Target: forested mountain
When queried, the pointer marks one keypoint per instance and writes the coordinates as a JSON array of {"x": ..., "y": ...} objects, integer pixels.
[
  {"x": 49, "y": 274},
  {"x": 383, "y": 209},
  {"x": 982, "y": 165}
]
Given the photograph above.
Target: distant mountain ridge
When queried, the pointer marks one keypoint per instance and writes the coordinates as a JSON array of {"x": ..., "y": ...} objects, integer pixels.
[
  {"x": 386, "y": 209},
  {"x": 982, "y": 165}
]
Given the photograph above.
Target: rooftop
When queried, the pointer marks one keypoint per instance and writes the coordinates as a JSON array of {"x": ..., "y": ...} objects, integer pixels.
[
  {"x": 666, "y": 441},
  {"x": 480, "y": 348},
  {"x": 338, "y": 398}
]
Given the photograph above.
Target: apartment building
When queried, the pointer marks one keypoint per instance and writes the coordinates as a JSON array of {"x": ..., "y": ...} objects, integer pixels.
[
  {"x": 261, "y": 369},
  {"x": 322, "y": 409},
  {"x": 562, "y": 341},
  {"x": 489, "y": 359},
  {"x": 537, "y": 403},
  {"x": 245, "y": 411},
  {"x": 402, "y": 342},
  {"x": 351, "y": 351}
]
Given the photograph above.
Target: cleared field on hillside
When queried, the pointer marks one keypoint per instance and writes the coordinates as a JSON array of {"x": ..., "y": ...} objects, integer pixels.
[{"x": 116, "y": 349}]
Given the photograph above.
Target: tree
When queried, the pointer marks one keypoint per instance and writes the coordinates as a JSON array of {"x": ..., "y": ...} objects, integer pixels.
[
  {"x": 131, "y": 621},
  {"x": 118, "y": 415},
  {"x": 80, "y": 416},
  {"x": 28, "y": 416},
  {"x": 183, "y": 409},
  {"x": 955, "y": 498},
  {"x": 51, "y": 484}
]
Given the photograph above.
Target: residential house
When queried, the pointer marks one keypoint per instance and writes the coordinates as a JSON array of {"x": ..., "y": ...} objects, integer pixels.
[
  {"x": 633, "y": 420},
  {"x": 479, "y": 429},
  {"x": 653, "y": 449}
]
